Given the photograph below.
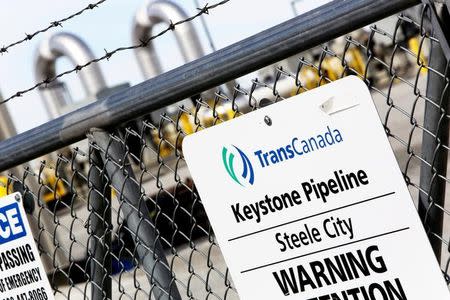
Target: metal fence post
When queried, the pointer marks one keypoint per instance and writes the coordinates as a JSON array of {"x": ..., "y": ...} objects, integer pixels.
[
  {"x": 100, "y": 227},
  {"x": 433, "y": 151},
  {"x": 137, "y": 216}
]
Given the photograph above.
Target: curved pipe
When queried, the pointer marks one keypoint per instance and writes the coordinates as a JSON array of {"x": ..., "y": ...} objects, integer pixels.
[
  {"x": 163, "y": 11},
  {"x": 65, "y": 45}
]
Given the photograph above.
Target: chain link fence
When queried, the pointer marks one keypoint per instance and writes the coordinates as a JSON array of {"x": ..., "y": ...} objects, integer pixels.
[{"x": 117, "y": 215}]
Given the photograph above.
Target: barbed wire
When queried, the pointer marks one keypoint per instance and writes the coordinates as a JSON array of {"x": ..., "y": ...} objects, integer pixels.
[
  {"x": 109, "y": 54},
  {"x": 30, "y": 36}
]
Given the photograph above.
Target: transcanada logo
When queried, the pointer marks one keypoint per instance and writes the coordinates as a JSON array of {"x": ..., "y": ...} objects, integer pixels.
[
  {"x": 298, "y": 147},
  {"x": 246, "y": 165},
  {"x": 295, "y": 148}
]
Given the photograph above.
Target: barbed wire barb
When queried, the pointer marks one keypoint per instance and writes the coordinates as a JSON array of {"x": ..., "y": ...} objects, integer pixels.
[{"x": 53, "y": 24}]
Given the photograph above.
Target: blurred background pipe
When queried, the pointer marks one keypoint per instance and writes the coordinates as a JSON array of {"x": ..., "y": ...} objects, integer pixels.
[
  {"x": 152, "y": 14},
  {"x": 68, "y": 45}
]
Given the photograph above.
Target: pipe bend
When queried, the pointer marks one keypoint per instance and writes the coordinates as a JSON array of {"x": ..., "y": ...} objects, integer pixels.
[
  {"x": 157, "y": 12},
  {"x": 68, "y": 45}
]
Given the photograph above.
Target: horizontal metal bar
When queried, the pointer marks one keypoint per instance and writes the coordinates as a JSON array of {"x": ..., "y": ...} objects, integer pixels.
[{"x": 267, "y": 47}]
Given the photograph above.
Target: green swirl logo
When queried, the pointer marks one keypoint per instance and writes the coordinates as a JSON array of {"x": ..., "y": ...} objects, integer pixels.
[{"x": 228, "y": 158}]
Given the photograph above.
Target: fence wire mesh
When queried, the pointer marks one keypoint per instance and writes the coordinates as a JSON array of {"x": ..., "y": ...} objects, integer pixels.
[{"x": 118, "y": 216}]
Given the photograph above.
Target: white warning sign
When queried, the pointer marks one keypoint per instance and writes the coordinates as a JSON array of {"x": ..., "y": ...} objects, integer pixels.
[
  {"x": 307, "y": 202},
  {"x": 22, "y": 276}
]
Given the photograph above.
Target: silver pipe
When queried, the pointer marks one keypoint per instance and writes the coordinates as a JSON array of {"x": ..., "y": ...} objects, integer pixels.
[
  {"x": 70, "y": 46},
  {"x": 152, "y": 14},
  {"x": 7, "y": 128},
  {"x": 56, "y": 96}
]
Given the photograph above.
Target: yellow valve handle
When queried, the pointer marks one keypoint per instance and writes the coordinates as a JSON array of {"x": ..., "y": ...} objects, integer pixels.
[
  {"x": 3, "y": 186},
  {"x": 57, "y": 186}
]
